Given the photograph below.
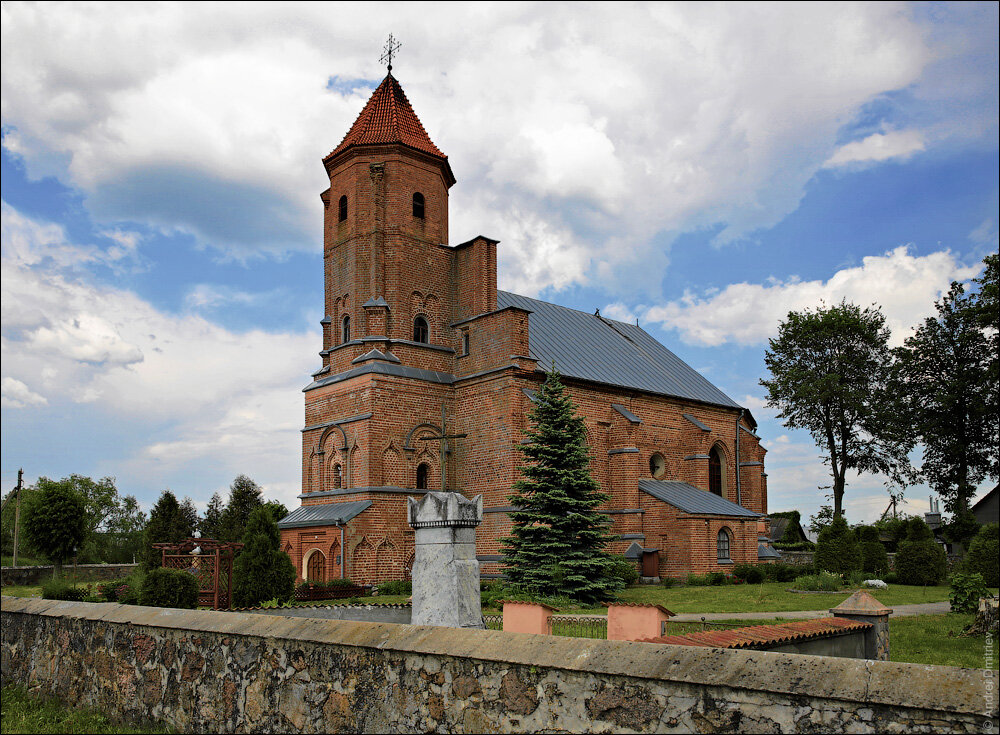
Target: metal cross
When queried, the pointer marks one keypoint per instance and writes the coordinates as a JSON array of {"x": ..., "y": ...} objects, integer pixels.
[
  {"x": 391, "y": 47},
  {"x": 443, "y": 438}
]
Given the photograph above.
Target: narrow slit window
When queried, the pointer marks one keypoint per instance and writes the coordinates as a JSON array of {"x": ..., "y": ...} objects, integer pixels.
[
  {"x": 345, "y": 329},
  {"x": 421, "y": 333},
  {"x": 422, "y": 477},
  {"x": 465, "y": 343},
  {"x": 715, "y": 472},
  {"x": 342, "y": 208},
  {"x": 418, "y": 205}
]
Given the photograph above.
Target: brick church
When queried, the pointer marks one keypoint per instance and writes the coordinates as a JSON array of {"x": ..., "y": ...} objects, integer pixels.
[{"x": 429, "y": 372}]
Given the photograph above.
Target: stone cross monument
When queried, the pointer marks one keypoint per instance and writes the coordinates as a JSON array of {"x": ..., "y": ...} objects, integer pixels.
[{"x": 445, "y": 570}]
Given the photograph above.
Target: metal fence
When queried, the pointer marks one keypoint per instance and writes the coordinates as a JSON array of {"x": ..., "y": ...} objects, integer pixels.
[{"x": 586, "y": 626}]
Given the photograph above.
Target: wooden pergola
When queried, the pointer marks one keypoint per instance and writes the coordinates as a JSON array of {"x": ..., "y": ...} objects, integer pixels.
[{"x": 210, "y": 561}]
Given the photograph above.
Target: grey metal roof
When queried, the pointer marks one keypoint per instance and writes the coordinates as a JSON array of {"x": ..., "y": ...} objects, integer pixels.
[
  {"x": 591, "y": 347},
  {"x": 766, "y": 552},
  {"x": 690, "y": 499},
  {"x": 329, "y": 514}
]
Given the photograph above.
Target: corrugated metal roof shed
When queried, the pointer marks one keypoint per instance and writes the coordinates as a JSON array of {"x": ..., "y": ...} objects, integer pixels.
[
  {"x": 590, "y": 347},
  {"x": 690, "y": 499},
  {"x": 329, "y": 514}
]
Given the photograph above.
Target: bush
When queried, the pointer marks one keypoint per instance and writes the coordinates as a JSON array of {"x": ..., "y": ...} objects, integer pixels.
[
  {"x": 625, "y": 570},
  {"x": 966, "y": 589},
  {"x": 59, "y": 589},
  {"x": 490, "y": 592},
  {"x": 890, "y": 578},
  {"x": 920, "y": 561},
  {"x": 781, "y": 572},
  {"x": 262, "y": 571},
  {"x": 169, "y": 588},
  {"x": 749, "y": 573},
  {"x": 873, "y": 557},
  {"x": 837, "y": 549},
  {"x": 697, "y": 580},
  {"x": 717, "y": 579},
  {"x": 822, "y": 582},
  {"x": 983, "y": 556},
  {"x": 668, "y": 582},
  {"x": 794, "y": 546},
  {"x": 395, "y": 587}
]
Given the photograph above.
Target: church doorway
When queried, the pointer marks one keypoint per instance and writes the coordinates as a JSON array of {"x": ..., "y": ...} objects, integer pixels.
[{"x": 316, "y": 566}]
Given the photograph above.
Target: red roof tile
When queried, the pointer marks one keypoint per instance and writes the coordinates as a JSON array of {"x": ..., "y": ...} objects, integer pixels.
[
  {"x": 764, "y": 636},
  {"x": 388, "y": 118}
]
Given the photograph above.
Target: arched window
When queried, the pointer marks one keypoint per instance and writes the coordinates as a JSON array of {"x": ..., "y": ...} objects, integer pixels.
[
  {"x": 345, "y": 329},
  {"x": 715, "y": 471},
  {"x": 722, "y": 545},
  {"x": 421, "y": 333},
  {"x": 338, "y": 476},
  {"x": 422, "y": 471},
  {"x": 418, "y": 205},
  {"x": 342, "y": 208},
  {"x": 316, "y": 568}
]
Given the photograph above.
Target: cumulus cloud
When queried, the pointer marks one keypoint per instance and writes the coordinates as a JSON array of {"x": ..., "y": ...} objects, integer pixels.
[
  {"x": 903, "y": 284},
  {"x": 203, "y": 393},
  {"x": 638, "y": 120},
  {"x": 878, "y": 147}
]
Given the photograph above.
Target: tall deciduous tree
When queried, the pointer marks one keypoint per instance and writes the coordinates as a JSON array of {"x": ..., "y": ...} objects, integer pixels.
[
  {"x": 167, "y": 523},
  {"x": 828, "y": 376},
  {"x": 556, "y": 546},
  {"x": 55, "y": 521},
  {"x": 245, "y": 496},
  {"x": 943, "y": 372}
]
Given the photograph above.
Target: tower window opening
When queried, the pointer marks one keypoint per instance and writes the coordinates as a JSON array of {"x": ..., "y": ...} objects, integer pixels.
[
  {"x": 465, "y": 343},
  {"x": 657, "y": 466},
  {"x": 345, "y": 329},
  {"x": 422, "y": 470},
  {"x": 421, "y": 332},
  {"x": 342, "y": 208},
  {"x": 338, "y": 477},
  {"x": 418, "y": 205}
]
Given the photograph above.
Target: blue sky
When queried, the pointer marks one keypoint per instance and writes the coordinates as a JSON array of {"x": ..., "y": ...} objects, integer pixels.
[{"x": 702, "y": 168}]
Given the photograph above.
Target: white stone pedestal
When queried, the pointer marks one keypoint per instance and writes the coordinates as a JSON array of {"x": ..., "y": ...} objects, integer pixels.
[{"x": 445, "y": 570}]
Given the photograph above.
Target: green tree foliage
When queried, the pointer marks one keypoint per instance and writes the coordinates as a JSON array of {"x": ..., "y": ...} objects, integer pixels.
[
  {"x": 828, "y": 376},
  {"x": 114, "y": 522},
  {"x": 942, "y": 372},
  {"x": 837, "y": 549},
  {"x": 55, "y": 522},
  {"x": 874, "y": 559},
  {"x": 211, "y": 524},
  {"x": 262, "y": 571},
  {"x": 169, "y": 588},
  {"x": 277, "y": 509},
  {"x": 821, "y": 519},
  {"x": 7, "y": 523},
  {"x": 983, "y": 556},
  {"x": 167, "y": 523},
  {"x": 556, "y": 546},
  {"x": 919, "y": 559},
  {"x": 245, "y": 496},
  {"x": 189, "y": 515},
  {"x": 987, "y": 307}
]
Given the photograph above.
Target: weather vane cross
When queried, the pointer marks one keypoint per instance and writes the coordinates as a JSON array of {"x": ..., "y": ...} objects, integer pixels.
[{"x": 391, "y": 47}]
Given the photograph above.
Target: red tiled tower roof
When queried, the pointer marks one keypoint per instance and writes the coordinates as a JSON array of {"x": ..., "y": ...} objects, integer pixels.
[{"x": 388, "y": 118}]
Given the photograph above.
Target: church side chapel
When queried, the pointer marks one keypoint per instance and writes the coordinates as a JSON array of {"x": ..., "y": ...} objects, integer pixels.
[{"x": 428, "y": 373}]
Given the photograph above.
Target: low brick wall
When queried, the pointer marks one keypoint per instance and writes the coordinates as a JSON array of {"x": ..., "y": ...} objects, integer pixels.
[
  {"x": 78, "y": 573},
  {"x": 227, "y": 672}
]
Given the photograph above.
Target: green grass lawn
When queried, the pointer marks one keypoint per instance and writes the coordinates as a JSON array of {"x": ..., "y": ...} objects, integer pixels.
[
  {"x": 21, "y": 590},
  {"x": 22, "y": 561},
  {"x": 22, "y": 712},
  {"x": 938, "y": 640}
]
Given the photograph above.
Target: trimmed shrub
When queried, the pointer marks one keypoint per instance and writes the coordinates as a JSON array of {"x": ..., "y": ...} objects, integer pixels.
[
  {"x": 874, "y": 560},
  {"x": 966, "y": 589},
  {"x": 795, "y": 546},
  {"x": 625, "y": 570},
  {"x": 822, "y": 582},
  {"x": 983, "y": 556},
  {"x": 890, "y": 578},
  {"x": 749, "y": 573},
  {"x": 697, "y": 580},
  {"x": 837, "y": 549},
  {"x": 59, "y": 589},
  {"x": 669, "y": 582},
  {"x": 262, "y": 571},
  {"x": 920, "y": 561},
  {"x": 396, "y": 587},
  {"x": 169, "y": 588}
]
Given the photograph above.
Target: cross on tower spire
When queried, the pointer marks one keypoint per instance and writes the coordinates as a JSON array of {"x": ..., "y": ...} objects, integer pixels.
[{"x": 391, "y": 47}]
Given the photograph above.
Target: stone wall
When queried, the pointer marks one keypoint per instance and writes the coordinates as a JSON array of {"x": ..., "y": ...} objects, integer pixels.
[
  {"x": 226, "y": 672},
  {"x": 805, "y": 558},
  {"x": 78, "y": 572}
]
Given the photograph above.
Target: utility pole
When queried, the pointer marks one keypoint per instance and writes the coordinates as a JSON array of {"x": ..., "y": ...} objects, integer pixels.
[{"x": 17, "y": 514}]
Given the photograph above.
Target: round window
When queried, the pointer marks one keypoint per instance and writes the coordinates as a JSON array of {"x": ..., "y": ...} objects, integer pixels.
[{"x": 657, "y": 466}]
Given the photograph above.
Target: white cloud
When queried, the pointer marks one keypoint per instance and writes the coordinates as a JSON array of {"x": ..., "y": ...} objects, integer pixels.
[
  {"x": 904, "y": 285},
  {"x": 203, "y": 393},
  {"x": 638, "y": 119},
  {"x": 17, "y": 395},
  {"x": 878, "y": 147}
]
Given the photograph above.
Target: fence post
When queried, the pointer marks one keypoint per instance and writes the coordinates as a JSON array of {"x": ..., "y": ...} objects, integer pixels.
[{"x": 864, "y": 608}]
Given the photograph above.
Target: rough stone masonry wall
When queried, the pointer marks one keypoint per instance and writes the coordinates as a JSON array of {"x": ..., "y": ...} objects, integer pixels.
[
  {"x": 226, "y": 672},
  {"x": 73, "y": 572}
]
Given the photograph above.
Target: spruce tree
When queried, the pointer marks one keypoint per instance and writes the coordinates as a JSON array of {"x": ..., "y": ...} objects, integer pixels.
[
  {"x": 245, "y": 496},
  {"x": 211, "y": 524},
  {"x": 556, "y": 546},
  {"x": 262, "y": 571},
  {"x": 168, "y": 522}
]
